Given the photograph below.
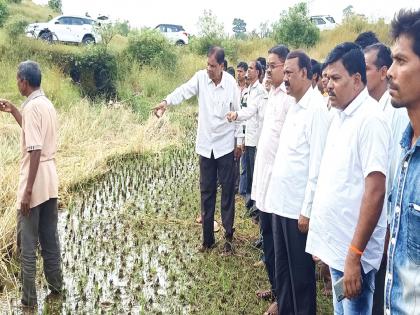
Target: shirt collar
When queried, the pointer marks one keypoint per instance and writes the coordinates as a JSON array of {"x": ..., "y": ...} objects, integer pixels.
[
  {"x": 277, "y": 90},
  {"x": 355, "y": 104},
  {"x": 406, "y": 138},
  {"x": 33, "y": 95},
  {"x": 384, "y": 100},
  {"x": 254, "y": 85},
  {"x": 306, "y": 98},
  {"x": 222, "y": 82}
]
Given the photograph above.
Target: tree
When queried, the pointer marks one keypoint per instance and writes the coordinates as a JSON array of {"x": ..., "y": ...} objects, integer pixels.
[
  {"x": 264, "y": 29},
  {"x": 295, "y": 28},
  {"x": 209, "y": 26},
  {"x": 239, "y": 27},
  {"x": 55, "y": 5},
  {"x": 4, "y": 12}
]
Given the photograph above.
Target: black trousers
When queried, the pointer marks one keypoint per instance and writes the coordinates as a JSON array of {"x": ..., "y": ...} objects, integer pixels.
[
  {"x": 266, "y": 223},
  {"x": 378, "y": 295},
  {"x": 250, "y": 162},
  {"x": 295, "y": 269},
  {"x": 210, "y": 170}
]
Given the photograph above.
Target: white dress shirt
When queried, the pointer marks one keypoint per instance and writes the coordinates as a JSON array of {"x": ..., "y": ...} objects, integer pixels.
[
  {"x": 275, "y": 114},
  {"x": 397, "y": 120},
  {"x": 253, "y": 113},
  {"x": 296, "y": 167},
  {"x": 214, "y": 132},
  {"x": 358, "y": 144}
]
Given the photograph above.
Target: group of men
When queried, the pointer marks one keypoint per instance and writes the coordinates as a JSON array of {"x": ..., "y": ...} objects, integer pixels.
[{"x": 324, "y": 168}]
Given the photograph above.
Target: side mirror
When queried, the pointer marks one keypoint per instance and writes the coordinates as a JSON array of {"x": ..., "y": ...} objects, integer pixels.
[{"x": 57, "y": 22}]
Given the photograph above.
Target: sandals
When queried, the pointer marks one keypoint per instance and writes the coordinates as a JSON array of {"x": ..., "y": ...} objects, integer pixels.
[
  {"x": 265, "y": 295},
  {"x": 272, "y": 309}
]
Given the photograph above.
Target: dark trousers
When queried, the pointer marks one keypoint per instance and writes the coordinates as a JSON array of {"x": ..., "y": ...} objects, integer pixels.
[
  {"x": 378, "y": 295},
  {"x": 211, "y": 169},
  {"x": 266, "y": 223},
  {"x": 250, "y": 162},
  {"x": 40, "y": 225},
  {"x": 295, "y": 269}
]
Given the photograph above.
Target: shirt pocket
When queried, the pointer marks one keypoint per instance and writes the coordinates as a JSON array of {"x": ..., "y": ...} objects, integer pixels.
[{"x": 413, "y": 233}]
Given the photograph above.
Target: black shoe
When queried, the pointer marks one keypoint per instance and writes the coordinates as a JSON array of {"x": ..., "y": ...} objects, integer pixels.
[
  {"x": 227, "y": 249},
  {"x": 206, "y": 248}
]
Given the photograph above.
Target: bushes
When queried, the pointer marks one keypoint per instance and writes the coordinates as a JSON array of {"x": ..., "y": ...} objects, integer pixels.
[
  {"x": 15, "y": 27},
  {"x": 295, "y": 28},
  {"x": 149, "y": 47},
  {"x": 4, "y": 12}
]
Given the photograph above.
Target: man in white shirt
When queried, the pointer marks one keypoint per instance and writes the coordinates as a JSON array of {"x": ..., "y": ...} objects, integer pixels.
[
  {"x": 348, "y": 224},
  {"x": 275, "y": 114},
  {"x": 292, "y": 187},
  {"x": 217, "y": 94},
  {"x": 378, "y": 60}
]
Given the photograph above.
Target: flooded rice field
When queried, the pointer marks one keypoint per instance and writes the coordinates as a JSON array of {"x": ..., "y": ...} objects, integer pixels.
[{"x": 126, "y": 246}]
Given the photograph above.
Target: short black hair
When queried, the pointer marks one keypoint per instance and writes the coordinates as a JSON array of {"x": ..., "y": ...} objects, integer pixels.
[
  {"x": 218, "y": 53},
  {"x": 30, "y": 71},
  {"x": 323, "y": 66},
  {"x": 242, "y": 65},
  {"x": 316, "y": 67},
  {"x": 231, "y": 71},
  {"x": 383, "y": 55},
  {"x": 407, "y": 22},
  {"x": 280, "y": 50},
  {"x": 259, "y": 67},
  {"x": 303, "y": 61},
  {"x": 225, "y": 64},
  {"x": 263, "y": 62},
  {"x": 366, "y": 39},
  {"x": 352, "y": 58}
]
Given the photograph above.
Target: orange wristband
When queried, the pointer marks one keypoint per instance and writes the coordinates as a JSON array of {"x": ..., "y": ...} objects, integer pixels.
[{"x": 355, "y": 250}]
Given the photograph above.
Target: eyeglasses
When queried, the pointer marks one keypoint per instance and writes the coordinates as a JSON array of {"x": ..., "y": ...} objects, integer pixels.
[{"x": 274, "y": 65}]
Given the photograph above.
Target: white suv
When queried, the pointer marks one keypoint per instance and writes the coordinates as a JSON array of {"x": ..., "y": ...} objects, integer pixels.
[
  {"x": 66, "y": 28},
  {"x": 175, "y": 33},
  {"x": 323, "y": 22}
]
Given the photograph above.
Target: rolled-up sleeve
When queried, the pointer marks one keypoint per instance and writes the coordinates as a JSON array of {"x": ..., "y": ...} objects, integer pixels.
[{"x": 32, "y": 128}]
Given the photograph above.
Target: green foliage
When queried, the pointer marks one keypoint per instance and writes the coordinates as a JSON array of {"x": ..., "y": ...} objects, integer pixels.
[
  {"x": 14, "y": 1},
  {"x": 150, "y": 47},
  {"x": 122, "y": 28},
  {"x": 239, "y": 27},
  {"x": 96, "y": 72},
  {"x": 209, "y": 26},
  {"x": 4, "y": 12},
  {"x": 55, "y": 5},
  {"x": 15, "y": 27},
  {"x": 295, "y": 29}
]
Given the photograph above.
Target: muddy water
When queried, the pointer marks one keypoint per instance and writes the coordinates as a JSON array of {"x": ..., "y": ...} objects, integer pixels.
[{"x": 126, "y": 246}]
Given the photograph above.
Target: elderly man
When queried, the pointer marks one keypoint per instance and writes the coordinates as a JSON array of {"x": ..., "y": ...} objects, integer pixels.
[
  {"x": 38, "y": 183},
  {"x": 217, "y": 93},
  {"x": 348, "y": 224},
  {"x": 402, "y": 295},
  {"x": 292, "y": 187}
]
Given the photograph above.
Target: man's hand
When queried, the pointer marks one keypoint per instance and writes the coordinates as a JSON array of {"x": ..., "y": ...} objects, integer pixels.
[
  {"x": 231, "y": 116},
  {"x": 6, "y": 106},
  {"x": 25, "y": 203},
  {"x": 303, "y": 224},
  {"x": 160, "y": 109},
  {"x": 352, "y": 276},
  {"x": 238, "y": 152}
]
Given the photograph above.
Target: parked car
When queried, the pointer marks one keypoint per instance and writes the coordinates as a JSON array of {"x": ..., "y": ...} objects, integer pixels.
[
  {"x": 66, "y": 28},
  {"x": 175, "y": 33},
  {"x": 324, "y": 22}
]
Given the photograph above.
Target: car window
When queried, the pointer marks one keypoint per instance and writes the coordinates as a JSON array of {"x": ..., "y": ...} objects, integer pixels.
[
  {"x": 76, "y": 21},
  {"x": 171, "y": 29},
  {"x": 88, "y": 21},
  {"x": 162, "y": 28},
  {"x": 319, "y": 21},
  {"x": 65, "y": 20},
  {"x": 331, "y": 19}
]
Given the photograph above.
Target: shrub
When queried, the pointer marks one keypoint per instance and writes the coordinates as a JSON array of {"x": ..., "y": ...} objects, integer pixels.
[
  {"x": 15, "y": 27},
  {"x": 149, "y": 47},
  {"x": 295, "y": 28},
  {"x": 4, "y": 12}
]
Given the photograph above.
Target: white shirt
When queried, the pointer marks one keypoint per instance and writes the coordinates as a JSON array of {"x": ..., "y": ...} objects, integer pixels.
[
  {"x": 253, "y": 113},
  {"x": 358, "y": 144},
  {"x": 214, "y": 132},
  {"x": 296, "y": 167},
  {"x": 397, "y": 120},
  {"x": 275, "y": 114}
]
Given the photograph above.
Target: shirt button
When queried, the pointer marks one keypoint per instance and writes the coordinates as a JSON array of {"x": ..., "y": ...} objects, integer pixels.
[
  {"x": 393, "y": 241},
  {"x": 405, "y": 164},
  {"x": 388, "y": 312},
  {"x": 397, "y": 209}
]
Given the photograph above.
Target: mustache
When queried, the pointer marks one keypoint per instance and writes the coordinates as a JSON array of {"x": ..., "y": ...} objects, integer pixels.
[{"x": 392, "y": 85}]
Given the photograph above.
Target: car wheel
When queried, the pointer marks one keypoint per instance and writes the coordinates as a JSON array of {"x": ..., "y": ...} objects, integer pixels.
[
  {"x": 46, "y": 36},
  {"x": 88, "y": 40},
  {"x": 180, "y": 43}
]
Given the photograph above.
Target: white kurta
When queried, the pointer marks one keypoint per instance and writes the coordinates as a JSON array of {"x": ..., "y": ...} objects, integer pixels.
[{"x": 275, "y": 114}]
